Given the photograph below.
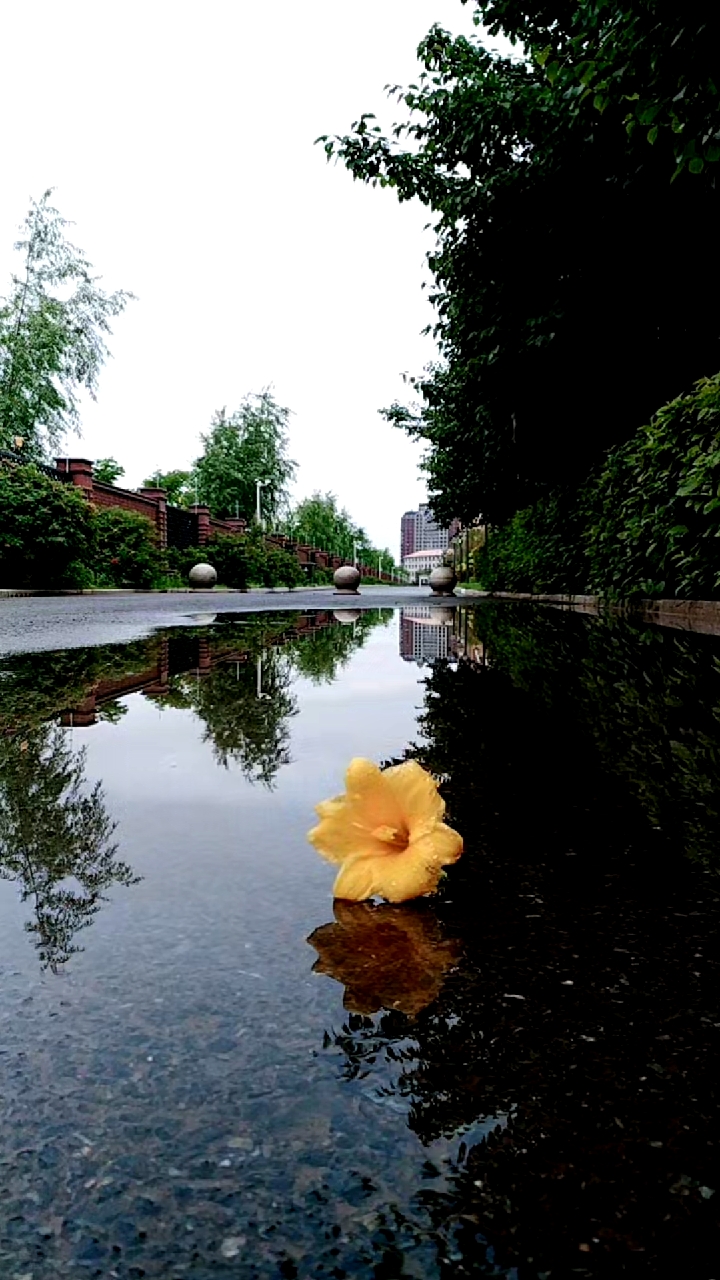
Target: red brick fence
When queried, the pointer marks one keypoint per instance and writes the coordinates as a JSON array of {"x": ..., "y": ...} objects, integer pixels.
[{"x": 177, "y": 527}]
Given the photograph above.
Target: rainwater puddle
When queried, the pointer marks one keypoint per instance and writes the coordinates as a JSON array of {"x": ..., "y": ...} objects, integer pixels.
[{"x": 207, "y": 1068}]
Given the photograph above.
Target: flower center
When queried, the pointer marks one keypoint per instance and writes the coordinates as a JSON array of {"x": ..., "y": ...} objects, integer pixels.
[{"x": 396, "y": 837}]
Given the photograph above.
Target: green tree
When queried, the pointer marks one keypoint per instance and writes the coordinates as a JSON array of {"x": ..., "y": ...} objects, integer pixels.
[
  {"x": 178, "y": 486},
  {"x": 319, "y": 522},
  {"x": 248, "y": 446},
  {"x": 53, "y": 325},
  {"x": 571, "y": 273},
  {"x": 107, "y": 470}
]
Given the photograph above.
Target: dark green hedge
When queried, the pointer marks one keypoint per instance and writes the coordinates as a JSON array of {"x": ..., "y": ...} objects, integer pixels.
[{"x": 647, "y": 523}]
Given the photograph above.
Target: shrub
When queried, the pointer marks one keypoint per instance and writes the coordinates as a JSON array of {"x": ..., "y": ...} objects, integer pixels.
[
  {"x": 125, "y": 550},
  {"x": 539, "y": 550},
  {"x": 241, "y": 560},
  {"x": 231, "y": 556},
  {"x": 45, "y": 532},
  {"x": 180, "y": 561},
  {"x": 282, "y": 568},
  {"x": 647, "y": 523},
  {"x": 654, "y": 519}
]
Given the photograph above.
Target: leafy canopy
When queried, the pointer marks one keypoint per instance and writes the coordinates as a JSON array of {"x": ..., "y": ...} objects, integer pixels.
[
  {"x": 53, "y": 325},
  {"x": 178, "y": 486},
  {"x": 571, "y": 274},
  {"x": 247, "y": 446},
  {"x": 107, "y": 470},
  {"x": 319, "y": 522}
]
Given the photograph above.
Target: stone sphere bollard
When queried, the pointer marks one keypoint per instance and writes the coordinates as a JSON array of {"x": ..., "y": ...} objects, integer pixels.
[
  {"x": 441, "y": 616},
  {"x": 442, "y": 580},
  {"x": 346, "y": 616},
  {"x": 202, "y": 576},
  {"x": 346, "y": 580}
]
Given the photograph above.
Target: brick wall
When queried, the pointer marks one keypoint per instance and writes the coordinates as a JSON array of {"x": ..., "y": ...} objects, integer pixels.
[{"x": 153, "y": 504}]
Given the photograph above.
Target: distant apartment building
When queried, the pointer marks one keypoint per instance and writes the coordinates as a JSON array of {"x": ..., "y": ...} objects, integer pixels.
[{"x": 419, "y": 532}]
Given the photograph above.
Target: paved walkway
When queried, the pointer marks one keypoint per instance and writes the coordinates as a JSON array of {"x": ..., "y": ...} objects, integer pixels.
[{"x": 32, "y": 623}]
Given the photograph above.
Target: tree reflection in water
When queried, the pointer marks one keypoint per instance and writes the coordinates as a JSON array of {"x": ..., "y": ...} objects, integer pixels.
[
  {"x": 55, "y": 839},
  {"x": 245, "y": 711},
  {"x": 55, "y": 833},
  {"x": 583, "y": 1006},
  {"x": 244, "y": 697}
]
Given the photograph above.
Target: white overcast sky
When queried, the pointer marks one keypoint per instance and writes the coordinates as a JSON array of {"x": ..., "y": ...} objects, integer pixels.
[{"x": 179, "y": 139}]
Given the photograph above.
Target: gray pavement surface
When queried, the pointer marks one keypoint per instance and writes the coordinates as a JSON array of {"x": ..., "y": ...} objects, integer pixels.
[{"x": 35, "y": 623}]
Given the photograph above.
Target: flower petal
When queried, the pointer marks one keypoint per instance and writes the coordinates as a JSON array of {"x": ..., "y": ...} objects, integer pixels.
[
  {"x": 397, "y": 878},
  {"x": 437, "y": 847},
  {"x": 373, "y": 802},
  {"x": 417, "y": 794},
  {"x": 336, "y": 838}
]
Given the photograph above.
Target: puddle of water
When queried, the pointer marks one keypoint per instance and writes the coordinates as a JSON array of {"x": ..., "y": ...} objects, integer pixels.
[{"x": 207, "y": 1067}]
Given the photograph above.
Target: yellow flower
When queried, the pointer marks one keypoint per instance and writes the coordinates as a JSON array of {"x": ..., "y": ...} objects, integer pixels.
[
  {"x": 385, "y": 957},
  {"x": 387, "y": 833}
]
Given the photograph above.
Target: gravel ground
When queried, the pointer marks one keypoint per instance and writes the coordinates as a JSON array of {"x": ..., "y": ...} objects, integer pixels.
[{"x": 34, "y": 623}]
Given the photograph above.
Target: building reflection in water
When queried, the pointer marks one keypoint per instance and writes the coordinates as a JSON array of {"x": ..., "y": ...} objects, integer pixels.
[{"x": 431, "y": 633}]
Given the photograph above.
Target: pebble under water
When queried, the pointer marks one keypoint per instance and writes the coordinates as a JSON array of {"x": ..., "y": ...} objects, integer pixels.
[{"x": 208, "y": 1068}]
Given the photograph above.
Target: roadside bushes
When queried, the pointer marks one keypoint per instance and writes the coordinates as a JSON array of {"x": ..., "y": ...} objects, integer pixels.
[
  {"x": 646, "y": 523},
  {"x": 45, "y": 530},
  {"x": 125, "y": 552},
  {"x": 540, "y": 549},
  {"x": 241, "y": 561},
  {"x": 51, "y": 537},
  {"x": 654, "y": 509}
]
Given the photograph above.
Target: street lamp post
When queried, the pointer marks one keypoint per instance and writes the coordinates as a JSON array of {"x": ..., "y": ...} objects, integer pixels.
[
  {"x": 380, "y": 560},
  {"x": 259, "y": 484},
  {"x": 355, "y": 551}
]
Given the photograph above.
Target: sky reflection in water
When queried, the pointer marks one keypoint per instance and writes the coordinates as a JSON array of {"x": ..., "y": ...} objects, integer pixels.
[{"x": 514, "y": 1079}]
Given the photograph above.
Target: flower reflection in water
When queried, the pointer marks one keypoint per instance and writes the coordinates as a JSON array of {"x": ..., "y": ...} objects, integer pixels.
[{"x": 387, "y": 957}]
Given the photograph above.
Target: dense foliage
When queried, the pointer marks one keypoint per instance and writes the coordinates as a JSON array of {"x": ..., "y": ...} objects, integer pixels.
[
  {"x": 125, "y": 552},
  {"x": 51, "y": 537},
  {"x": 647, "y": 521},
  {"x": 571, "y": 273},
  {"x": 241, "y": 561},
  {"x": 178, "y": 486},
  {"x": 319, "y": 522},
  {"x": 53, "y": 326},
  {"x": 248, "y": 446},
  {"x": 45, "y": 531},
  {"x": 107, "y": 470},
  {"x": 654, "y": 517}
]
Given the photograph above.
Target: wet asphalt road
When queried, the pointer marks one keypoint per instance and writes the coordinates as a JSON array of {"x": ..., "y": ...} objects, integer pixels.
[{"x": 34, "y": 623}]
